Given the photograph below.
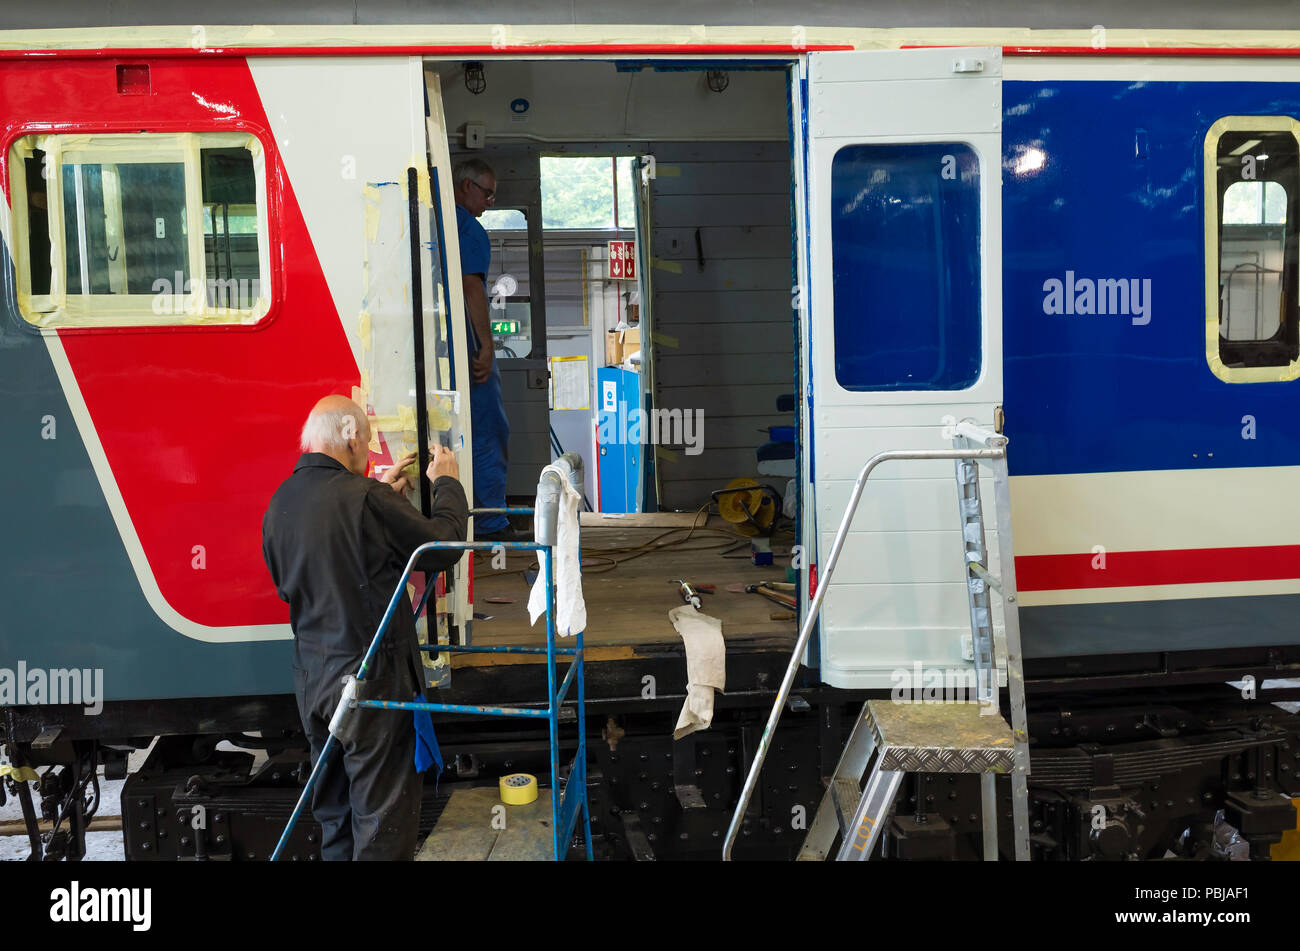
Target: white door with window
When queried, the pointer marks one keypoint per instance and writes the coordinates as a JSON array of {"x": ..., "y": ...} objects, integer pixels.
[{"x": 903, "y": 335}]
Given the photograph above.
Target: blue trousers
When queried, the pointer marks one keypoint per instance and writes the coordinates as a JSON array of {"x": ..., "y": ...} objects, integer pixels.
[{"x": 491, "y": 441}]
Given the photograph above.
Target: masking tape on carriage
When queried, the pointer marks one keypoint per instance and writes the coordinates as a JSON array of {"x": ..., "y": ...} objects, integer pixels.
[{"x": 518, "y": 789}]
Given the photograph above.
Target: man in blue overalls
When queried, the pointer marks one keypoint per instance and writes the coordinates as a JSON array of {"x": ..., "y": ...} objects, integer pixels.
[{"x": 475, "y": 191}]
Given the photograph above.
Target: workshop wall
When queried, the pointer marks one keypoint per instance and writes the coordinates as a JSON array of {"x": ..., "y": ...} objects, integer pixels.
[{"x": 721, "y": 292}]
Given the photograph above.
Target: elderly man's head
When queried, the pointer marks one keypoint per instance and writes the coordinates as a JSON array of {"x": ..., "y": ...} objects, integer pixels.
[
  {"x": 475, "y": 185},
  {"x": 338, "y": 428}
]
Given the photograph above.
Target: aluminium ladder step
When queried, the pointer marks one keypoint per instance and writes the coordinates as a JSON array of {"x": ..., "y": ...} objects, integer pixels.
[{"x": 898, "y": 738}]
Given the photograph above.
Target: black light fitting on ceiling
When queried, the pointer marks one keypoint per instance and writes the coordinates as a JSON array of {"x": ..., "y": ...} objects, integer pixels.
[
  {"x": 475, "y": 81},
  {"x": 717, "y": 79}
]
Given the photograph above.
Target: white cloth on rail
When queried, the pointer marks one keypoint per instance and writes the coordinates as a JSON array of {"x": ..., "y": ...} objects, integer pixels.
[
  {"x": 706, "y": 667},
  {"x": 570, "y": 608}
]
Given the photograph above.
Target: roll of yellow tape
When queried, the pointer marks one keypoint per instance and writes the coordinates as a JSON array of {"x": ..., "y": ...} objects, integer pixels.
[{"x": 518, "y": 789}]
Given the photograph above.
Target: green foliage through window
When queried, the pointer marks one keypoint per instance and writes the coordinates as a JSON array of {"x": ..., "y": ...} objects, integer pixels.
[{"x": 578, "y": 192}]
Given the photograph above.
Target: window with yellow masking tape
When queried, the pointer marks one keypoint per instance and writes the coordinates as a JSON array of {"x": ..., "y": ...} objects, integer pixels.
[
  {"x": 1252, "y": 212},
  {"x": 151, "y": 229}
]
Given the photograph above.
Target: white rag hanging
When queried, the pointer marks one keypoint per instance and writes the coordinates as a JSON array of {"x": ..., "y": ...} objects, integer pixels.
[
  {"x": 570, "y": 609},
  {"x": 706, "y": 667}
]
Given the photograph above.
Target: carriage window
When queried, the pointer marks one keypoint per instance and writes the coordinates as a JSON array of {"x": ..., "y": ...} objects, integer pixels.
[
  {"x": 141, "y": 230},
  {"x": 1252, "y": 189},
  {"x": 905, "y": 239}
]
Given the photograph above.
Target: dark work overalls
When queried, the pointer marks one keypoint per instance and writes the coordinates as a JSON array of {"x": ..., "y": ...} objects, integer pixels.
[{"x": 336, "y": 543}]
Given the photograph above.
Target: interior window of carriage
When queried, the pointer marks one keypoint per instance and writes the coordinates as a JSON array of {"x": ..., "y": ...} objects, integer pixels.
[
  {"x": 1256, "y": 191},
  {"x": 510, "y": 306},
  {"x": 141, "y": 230}
]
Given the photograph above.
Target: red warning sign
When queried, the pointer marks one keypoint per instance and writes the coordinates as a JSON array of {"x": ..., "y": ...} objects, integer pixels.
[{"x": 622, "y": 260}]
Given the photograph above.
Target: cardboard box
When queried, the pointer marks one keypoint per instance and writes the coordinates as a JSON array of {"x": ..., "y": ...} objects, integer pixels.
[
  {"x": 630, "y": 343},
  {"x": 619, "y": 344}
]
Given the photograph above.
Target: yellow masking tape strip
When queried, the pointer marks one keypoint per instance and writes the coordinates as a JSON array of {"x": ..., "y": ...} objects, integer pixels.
[
  {"x": 664, "y": 340},
  {"x": 671, "y": 266},
  {"x": 25, "y": 774},
  {"x": 333, "y": 35},
  {"x": 406, "y": 414},
  {"x": 422, "y": 182},
  {"x": 667, "y": 171},
  {"x": 404, "y": 421},
  {"x": 518, "y": 789},
  {"x": 363, "y": 330},
  {"x": 371, "y": 195}
]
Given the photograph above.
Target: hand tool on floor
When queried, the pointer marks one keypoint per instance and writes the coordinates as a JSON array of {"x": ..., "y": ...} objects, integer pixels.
[
  {"x": 741, "y": 587},
  {"x": 774, "y": 591},
  {"x": 691, "y": 592}
]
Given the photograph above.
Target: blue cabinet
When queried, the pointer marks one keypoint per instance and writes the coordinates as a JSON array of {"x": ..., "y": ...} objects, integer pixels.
[{"x": 620, "y": 430}]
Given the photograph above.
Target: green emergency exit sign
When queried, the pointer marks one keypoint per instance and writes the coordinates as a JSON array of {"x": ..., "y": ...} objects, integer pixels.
[{"x": 505, "y": 328}]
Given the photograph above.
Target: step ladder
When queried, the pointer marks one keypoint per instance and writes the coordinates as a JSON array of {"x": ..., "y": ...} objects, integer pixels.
[
  {"x": 568, "y": 799},
  {"x": 898, "y": 738}
]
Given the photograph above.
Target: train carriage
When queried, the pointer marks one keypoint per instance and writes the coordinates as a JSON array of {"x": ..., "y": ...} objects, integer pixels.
[{"x": 1084, "y": 240}]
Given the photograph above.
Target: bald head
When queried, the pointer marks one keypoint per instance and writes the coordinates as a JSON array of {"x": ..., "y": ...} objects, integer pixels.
[{"x": 338, "y": 427}]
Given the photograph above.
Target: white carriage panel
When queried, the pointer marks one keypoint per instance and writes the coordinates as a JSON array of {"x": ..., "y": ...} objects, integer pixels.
[
  {"x": 867, "y": 609},
  {"x": 847, "y": 438},
  {"x": 341, "y": 122},
  {"x": 914, "y": 66},
  {"x": 1154, "y": 510},
  {"x": 906, "y": 557},
  {"x": 837, "y": 109},
  {"x": 898, "y": 505}
]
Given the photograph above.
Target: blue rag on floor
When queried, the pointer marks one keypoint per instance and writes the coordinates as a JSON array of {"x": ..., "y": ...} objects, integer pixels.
[{"x": 426, "y": 741}]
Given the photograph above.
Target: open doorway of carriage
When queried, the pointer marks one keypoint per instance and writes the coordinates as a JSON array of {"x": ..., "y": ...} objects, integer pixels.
[{"x": 692, "y": 165}]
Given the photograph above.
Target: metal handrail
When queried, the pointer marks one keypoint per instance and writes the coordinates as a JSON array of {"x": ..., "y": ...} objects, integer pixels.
[{"x": 814, "y": 609}]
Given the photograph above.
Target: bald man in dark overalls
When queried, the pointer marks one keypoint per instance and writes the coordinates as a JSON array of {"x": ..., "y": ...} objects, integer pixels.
[{"x": 336, "y": 543}]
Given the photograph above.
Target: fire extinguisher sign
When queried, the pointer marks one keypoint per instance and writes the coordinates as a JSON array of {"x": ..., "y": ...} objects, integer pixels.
[{"x": 622, "y": 260}]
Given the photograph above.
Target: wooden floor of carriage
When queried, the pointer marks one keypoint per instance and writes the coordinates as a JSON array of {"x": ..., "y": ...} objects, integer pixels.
[{"x": 628, "y": 604}]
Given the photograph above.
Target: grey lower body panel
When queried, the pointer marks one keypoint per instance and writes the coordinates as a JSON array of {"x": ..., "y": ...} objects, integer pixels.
[{"x": 1183, "y": 624}]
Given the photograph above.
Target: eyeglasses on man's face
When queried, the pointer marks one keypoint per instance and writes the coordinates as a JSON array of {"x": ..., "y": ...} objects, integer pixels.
[{"x": 489, "y": 194}]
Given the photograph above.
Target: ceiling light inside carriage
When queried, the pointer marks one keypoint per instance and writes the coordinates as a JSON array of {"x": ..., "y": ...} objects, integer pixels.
[
  {"x": 475, "y": 81},
  {"x": 1245, "y": 147},
  {"x": 1029, "y": 160},
  {"x": 718, "y": 80}
]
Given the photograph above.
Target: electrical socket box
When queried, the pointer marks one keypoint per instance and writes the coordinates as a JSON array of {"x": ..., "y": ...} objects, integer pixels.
[{"x": 475, "y": 135}]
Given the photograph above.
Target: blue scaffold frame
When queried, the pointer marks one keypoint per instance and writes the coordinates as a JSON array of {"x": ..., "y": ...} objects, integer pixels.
[{"x": 566, "y": 803}]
